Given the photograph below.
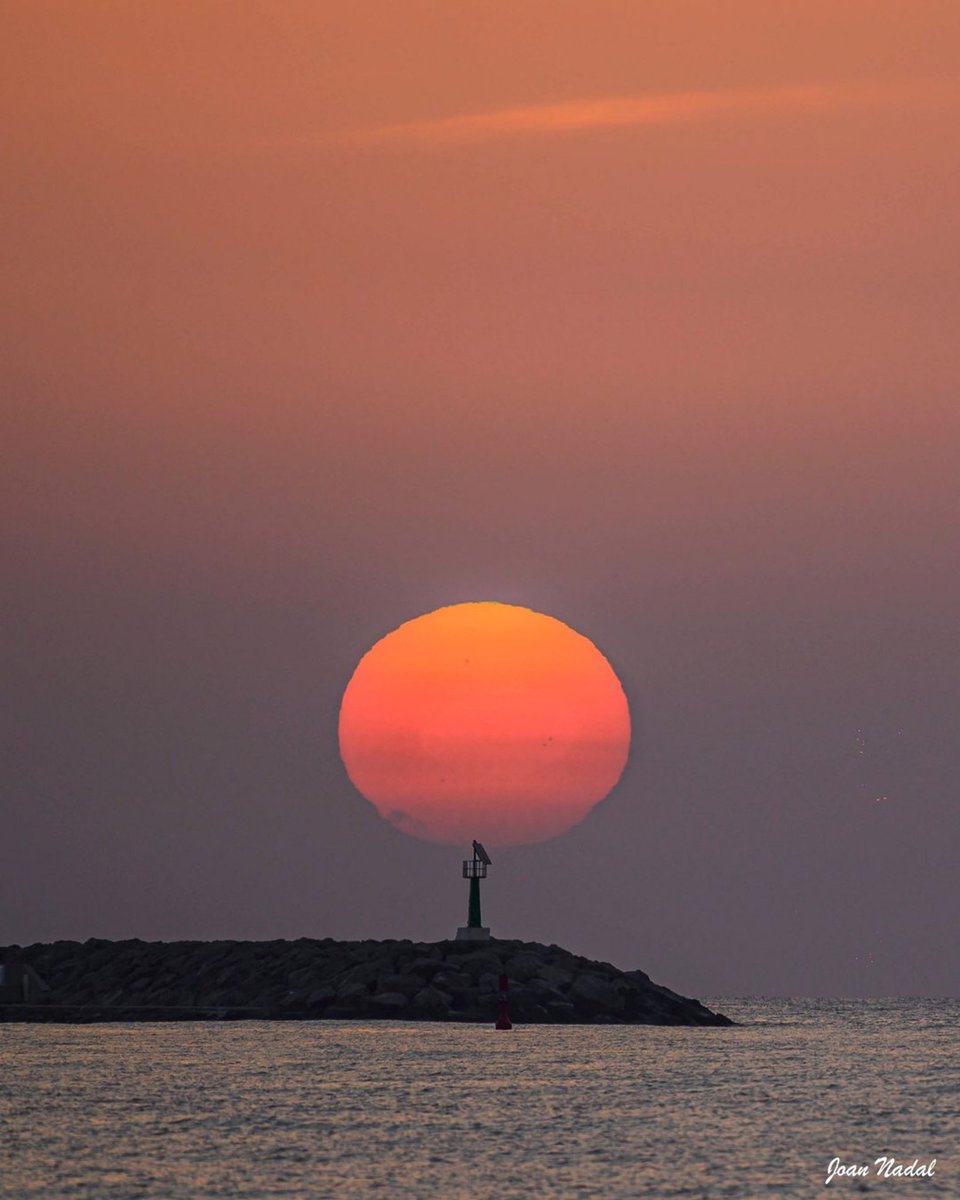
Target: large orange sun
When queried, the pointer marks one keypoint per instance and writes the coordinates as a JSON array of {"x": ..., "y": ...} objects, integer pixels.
[{"x": 485, "y": 721}]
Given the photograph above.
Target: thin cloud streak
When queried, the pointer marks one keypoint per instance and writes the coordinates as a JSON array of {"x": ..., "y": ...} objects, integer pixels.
[{"x": 542, "y": 120}]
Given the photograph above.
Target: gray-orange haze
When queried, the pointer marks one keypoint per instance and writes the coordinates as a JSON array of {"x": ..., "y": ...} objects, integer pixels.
[{"x": 317, "y": 316}]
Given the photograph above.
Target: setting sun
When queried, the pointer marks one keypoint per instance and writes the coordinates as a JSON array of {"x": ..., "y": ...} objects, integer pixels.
[{"x": 484, "y": 720}]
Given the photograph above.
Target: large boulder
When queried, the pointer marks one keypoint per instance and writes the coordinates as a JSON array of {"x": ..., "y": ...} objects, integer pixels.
[
  {"x": 431, "y": 1002},
  {"x": 351, "y": 992},
  {"x": 478, "y": 963},
  {"x": 523, "y": 966},
  {"x": 454, "y": 982},
  {"x": 526, "y": 1008},
  {"x": 426, "y": 968},
  {"x": 558, "y": 976},
  {"x": 546, "y": 991},
  {"x": 593, "y": 993},
  {"x": 364, "y": 972},
  {"x": 406, "y": 985},
  {"x": 488, "y": 983}
]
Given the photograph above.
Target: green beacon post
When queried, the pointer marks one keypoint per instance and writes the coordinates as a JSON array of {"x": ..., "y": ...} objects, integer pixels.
[{"x": 475, "y": 869}]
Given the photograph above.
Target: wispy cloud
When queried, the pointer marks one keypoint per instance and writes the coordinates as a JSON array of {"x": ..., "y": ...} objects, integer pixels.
[{"x": 542, "y": 120}]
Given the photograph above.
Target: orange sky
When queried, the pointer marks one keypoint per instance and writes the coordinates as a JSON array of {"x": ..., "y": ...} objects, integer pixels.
[{"x": 200, "y": 257}]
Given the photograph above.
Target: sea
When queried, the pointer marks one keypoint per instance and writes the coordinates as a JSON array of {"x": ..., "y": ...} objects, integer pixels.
[{"x": 391, "y": 1109}]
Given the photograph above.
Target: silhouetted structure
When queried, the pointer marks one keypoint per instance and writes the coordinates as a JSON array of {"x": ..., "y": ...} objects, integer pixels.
[
  {"x": 20, "y": 983},
  {"x": 475, "y": 869}
]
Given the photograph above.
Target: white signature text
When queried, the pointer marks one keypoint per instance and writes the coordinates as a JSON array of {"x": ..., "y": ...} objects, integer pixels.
[{"x": 883, "y": 1168}]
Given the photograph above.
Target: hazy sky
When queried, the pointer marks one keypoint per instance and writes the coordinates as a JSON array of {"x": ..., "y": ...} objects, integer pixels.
[{"x": 317, "y": 316}]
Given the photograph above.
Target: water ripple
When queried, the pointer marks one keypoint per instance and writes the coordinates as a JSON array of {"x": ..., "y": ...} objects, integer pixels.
[{"x": 348, "y": 1110}]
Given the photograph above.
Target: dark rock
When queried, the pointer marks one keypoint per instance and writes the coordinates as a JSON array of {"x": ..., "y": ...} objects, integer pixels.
[
  {"x": 546, "y": 991},
  {"x": 525, "y": 1008},
  {"x": 303, "y": 977},
  {"x": 406, "y": 985},
  {"x": 228, "y": 980},
  {"x": 522, "y": 967},
  {"x": 363, "y": 974},
  {"x": 351, "y": 992},
  {"x": 479, "y": 962},
  {"x": 593, "y": 992},
  {"x": 558, "y": 976},
  {"x": 452, "y": 981},
  {"x": 390, "y": 1001},
  {"x": 432, "y": 1002},
  {"x": 426, "y": 968}
]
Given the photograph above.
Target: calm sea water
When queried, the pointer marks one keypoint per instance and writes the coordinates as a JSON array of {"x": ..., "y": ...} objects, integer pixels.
[{"x": 324, "y": 1109}]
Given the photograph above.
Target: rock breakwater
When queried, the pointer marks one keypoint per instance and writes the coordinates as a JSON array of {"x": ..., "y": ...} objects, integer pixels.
[{"x": 308, "y": 979}]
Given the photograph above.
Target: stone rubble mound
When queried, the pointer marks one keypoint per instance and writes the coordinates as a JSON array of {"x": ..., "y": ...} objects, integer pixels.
[{"x": 310, "y": 979}]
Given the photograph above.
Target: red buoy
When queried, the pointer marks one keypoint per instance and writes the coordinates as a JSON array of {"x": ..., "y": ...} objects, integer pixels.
[{"x": 503, "y": 1017}]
